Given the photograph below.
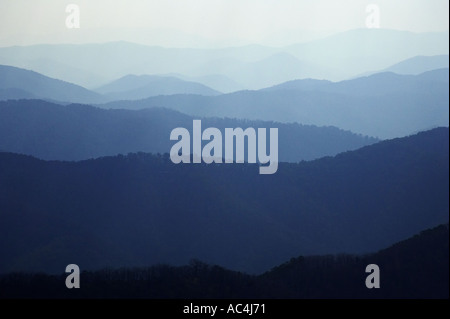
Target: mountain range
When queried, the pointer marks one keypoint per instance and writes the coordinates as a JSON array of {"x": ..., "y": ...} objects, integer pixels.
[
  {"x": 378, "y": 84},
  {"x": 132, "y": 87},
  {"x": 340, "y": 276},
  {"x": 417, "y": 65},
  {"x": 363, "y": 165},
  {"x": 382, "y": 105},
  {"x": 336, "y": 58},
  {"x": 16, "y": 83},
  {"x": 357, "y": 51},
  {"x": 76, "y": 132},
  {"x": 142, "y": 209}
]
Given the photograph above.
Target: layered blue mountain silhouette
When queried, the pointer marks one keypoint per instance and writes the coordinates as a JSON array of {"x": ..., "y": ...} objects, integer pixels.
[
  {"x": 16, "y": 83},
  {"x": 384, "y": 105},
  {"x": 362, "y": 118},
  {"x": 418, "y": 64},
  {"x": 132, "y": 87},
  {"x": 142, "y": 209},
  {"x": 336, "y": 58},
  {"x": 426, "y": 253},
  {"x": 76, "y": 132}
]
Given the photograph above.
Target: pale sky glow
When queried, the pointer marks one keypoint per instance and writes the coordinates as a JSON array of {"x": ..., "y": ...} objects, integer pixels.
[{"x": 222, "y": 22}]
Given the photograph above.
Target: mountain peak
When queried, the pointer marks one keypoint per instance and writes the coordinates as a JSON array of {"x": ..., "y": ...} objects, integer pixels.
[{"x": 35, "y": 84}]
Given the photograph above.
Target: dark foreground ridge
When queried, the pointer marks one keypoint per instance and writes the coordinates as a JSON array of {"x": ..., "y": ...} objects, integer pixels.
[{"x": 414, "y": 268}]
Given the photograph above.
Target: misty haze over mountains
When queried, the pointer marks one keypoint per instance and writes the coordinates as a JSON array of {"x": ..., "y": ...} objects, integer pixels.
[
  {"x": 382, "y": 105},
  {"x": 16, "y": 83},
  {"x": 417, "y": 65},
  {"x": 76, "y": 132},
  {"x": 85, "y": 174},
  {"x": 326, "y": 82},
  {"x": 336, "y": 57},
  {"x": 132, "y": 87}
]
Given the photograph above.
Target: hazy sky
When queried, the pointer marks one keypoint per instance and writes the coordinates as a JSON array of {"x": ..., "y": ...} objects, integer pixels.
[{"x": 208, "y": 22}]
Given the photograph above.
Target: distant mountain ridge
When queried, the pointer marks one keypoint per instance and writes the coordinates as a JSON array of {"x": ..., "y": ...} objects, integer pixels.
[
  {"x": 357, "y": 51},
  {"x": 76, "y": 132},
  {"x": 133, "y": 87},
  {"x": 417, "y": 65},
  {"x": 336, "y": 57},
  {"x": 20, "y": 83},
  {"x": 16, "y": 83},
  {"x": 217, "y": 82},
  {"x": 376, "y": 84},
  {"x": 385, "y": 105}
]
